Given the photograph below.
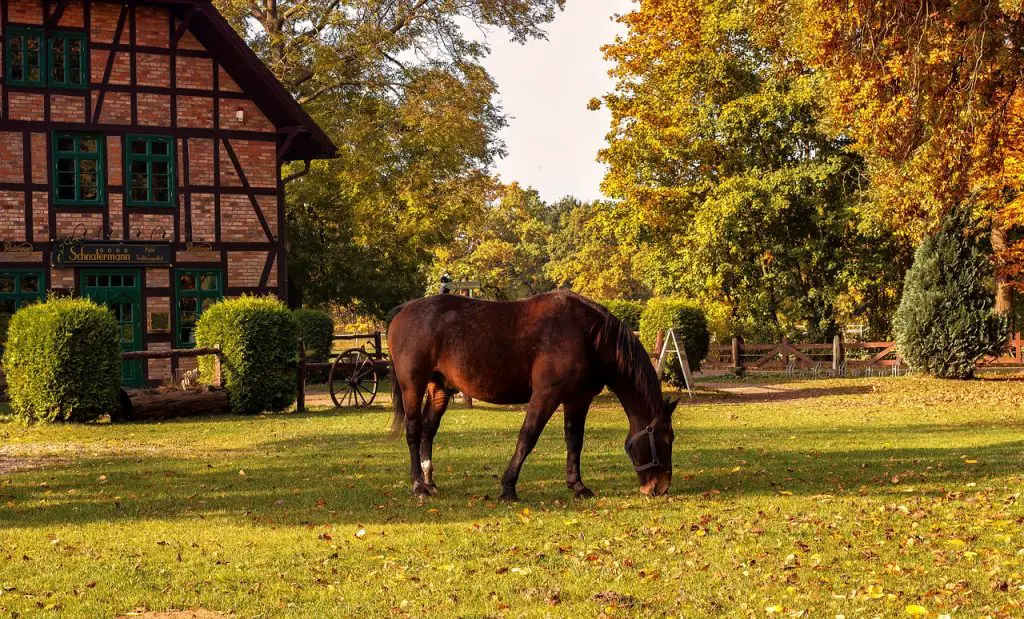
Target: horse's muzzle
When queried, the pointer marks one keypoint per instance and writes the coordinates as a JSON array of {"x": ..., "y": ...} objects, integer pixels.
[{"x": 656, "y": 484}]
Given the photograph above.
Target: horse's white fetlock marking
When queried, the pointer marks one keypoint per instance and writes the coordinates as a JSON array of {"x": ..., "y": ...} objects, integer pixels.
[{"x": 427, "y": 467}]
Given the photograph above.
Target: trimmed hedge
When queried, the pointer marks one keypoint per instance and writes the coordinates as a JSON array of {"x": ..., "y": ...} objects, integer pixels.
[
  {"x": 257, "y": 338},
  {"x": 63, "y": 361},
  {"x": 946, "y": 320},
  {"x": 316, "y": 332},
  {"x": 628, "y": 312},
  {"x": 691, "y": 330}
]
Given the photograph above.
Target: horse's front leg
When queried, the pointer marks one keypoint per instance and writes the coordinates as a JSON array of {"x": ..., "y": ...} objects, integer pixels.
[
  {"x": 538, "y": 413},
  {"x": 575, "y": 421},
  {"x": 437, "y": 403}
]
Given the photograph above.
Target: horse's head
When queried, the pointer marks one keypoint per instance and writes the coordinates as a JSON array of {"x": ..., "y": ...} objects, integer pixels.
[{"x": 650, "y": 451}]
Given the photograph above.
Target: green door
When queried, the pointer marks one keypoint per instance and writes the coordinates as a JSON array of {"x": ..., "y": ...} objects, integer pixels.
[{"x": 121, "y": 291}]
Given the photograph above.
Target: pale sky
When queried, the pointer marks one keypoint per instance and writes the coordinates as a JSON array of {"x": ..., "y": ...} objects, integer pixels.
[{"x": 544, "y": 86}]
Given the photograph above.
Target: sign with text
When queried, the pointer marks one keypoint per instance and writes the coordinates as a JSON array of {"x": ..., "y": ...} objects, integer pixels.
[{"x": 80, "y": 252}]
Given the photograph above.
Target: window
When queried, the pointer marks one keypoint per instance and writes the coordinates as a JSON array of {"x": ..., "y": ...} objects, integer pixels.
[
  {"x": 150, "y": 170},
  {"x": 68, "y": 60},
  {"x": 196, "y": 291},
  {"x": 24, "y": 54},
  {"x": 62, "y": 60},
  {"x": 77, "y": 168},
  {"x": 18, "y": 289}
]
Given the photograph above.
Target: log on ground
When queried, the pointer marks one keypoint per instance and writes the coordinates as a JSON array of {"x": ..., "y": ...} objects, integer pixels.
[{"x": 143, "y": 405}]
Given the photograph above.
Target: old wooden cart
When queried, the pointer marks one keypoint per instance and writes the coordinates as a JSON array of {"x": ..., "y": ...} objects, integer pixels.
[{"x": 353, "y": 375}]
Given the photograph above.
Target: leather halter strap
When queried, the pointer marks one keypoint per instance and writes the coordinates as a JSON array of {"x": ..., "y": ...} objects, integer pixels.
[{"x": 654, "y": 463}]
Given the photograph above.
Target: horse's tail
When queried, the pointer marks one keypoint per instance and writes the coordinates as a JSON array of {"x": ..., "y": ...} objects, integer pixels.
[{"x": 397, "y": 405}]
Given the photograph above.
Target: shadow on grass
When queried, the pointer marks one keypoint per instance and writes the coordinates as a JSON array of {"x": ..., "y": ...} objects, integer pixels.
[{"x": 362, "y": 477}]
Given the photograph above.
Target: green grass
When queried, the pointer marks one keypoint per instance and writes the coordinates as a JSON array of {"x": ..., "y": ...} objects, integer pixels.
[{"x": 858, "y": 497}]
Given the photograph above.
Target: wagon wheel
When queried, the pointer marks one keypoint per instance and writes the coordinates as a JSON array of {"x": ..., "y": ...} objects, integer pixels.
[{"x": 353, "y": 379}]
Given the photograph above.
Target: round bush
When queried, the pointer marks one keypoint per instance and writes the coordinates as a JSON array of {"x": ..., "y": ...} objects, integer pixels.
[
  {"x": 257, "y": 338},
  {"x": 315, "y": 332},
  {"x": 63, "y": 361},
  {"x": 628, "y": 312},
  {"x": 946, "y": 320},
  {"x": 691, "y": 330}
]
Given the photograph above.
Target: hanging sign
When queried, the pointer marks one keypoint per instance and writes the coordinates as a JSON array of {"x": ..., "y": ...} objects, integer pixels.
[{"x": 80, "y": 252}]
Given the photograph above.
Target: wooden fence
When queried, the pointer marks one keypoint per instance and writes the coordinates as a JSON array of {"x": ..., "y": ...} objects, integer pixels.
[{"x": 836, "y": 358}]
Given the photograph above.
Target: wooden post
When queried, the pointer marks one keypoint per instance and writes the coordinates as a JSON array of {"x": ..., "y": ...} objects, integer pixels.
[
  {"x": 837, "y": 352},
  {"x": 785, "y": 351},
  {"x": 737, "y": 356},
  {"x": 469, "y": 401},
  {"x": 218, "y": 375},
  {"x": 379, "y": 349},
  {"x": 659, "y": 342},
  {"x": 300, "y": 382},
  {"x": 1020, "y": 349}
]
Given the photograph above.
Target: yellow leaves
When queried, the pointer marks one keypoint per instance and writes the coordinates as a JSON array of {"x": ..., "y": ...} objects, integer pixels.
[
  {"x": 736, "y": 469},
  {"x": 916, "y": 610},
  {"x": 771, "y": 610}
]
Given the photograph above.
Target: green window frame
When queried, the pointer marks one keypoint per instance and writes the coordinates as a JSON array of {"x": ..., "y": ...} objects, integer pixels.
[
  {"x": 195, "y": 290},
  {"x": 78, "y": 171},
  {"x": 32, "y": 59},
  {"x": 68, "y": 60},
  {"x": 24, "y": 57},
  {"x": 150, "y": 170},
  {"x": 18, "y": 288}
]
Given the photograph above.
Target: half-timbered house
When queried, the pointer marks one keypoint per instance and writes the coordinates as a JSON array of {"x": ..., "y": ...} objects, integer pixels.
[{"x": 141, "y": 146}]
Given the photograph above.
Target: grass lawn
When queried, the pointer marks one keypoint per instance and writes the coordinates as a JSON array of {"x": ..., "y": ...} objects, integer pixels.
[{"x": 860, "y": 497}]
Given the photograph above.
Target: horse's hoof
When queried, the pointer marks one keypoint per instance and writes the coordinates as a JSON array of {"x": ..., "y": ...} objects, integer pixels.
[
  {"x": 422, "y": 491},
  {"x": 432, "y": 489},
  {"x": 584, "y": 493},
  {"x": 509, "y": 497}
]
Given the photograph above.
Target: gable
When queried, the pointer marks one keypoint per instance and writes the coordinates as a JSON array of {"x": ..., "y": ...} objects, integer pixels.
[{"x": 207, "y": 57}]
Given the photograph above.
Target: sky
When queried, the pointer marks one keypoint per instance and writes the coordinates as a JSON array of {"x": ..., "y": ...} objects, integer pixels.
[{"x": 544, "y": 86}]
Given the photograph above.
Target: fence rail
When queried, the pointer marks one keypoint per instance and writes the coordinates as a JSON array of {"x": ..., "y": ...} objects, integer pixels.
[{"x": 839, "y": 357}]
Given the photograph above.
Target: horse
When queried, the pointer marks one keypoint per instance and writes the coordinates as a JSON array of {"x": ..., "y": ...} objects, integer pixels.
[{"x": 552, "y": 349}]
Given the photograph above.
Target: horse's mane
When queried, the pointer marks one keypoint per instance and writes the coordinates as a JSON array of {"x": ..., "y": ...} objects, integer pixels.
[{"x": 617, "y": 344}]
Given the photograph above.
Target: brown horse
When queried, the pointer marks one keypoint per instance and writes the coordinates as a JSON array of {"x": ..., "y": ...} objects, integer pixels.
[{"x": 554, "y": 348}]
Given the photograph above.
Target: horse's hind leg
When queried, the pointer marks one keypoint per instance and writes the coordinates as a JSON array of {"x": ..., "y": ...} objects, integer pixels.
[
  {"x": 575, "y": 421},
  {"x": 437, "y": 403},
  {"x": 412, "y": 395},
  {"x": 538, "y": 412}
]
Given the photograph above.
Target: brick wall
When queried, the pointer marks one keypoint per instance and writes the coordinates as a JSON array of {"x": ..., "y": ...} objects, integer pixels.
[
  {"x": 11, "y": 152},
  {"x": 12, "y": 215}
]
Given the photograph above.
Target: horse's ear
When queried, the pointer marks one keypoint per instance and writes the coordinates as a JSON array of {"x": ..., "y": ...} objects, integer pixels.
[{"x": 669, "y": 406}]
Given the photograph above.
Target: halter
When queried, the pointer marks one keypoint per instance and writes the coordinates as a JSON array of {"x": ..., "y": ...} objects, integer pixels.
[{"x": 654, "y": 463}]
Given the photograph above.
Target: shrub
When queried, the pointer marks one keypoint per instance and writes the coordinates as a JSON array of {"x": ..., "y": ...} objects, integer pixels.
[
  {"x": 316, "y": 334},
  {"x": 315, "y": 329},
  {"x": 63, "y": 361},
  {"x": 691, "y": 330},
  {"x": 257, "y": 338},
  {"x": 627, "y": 311},
  {"x": 946, "y": 320}
]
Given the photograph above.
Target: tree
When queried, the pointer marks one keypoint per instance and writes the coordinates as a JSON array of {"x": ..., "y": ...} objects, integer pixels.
[
  {"x": 931, "y": 94},
  {"x": 505, "y": 247},
  {"x": 717, "y": 150},
  {"x": 946, "y": 320},
  {"x": 399, "y": 88},
  {"x": 594, "y": 251}
]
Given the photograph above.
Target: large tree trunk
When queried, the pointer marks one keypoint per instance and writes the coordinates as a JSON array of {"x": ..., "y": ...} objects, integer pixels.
[{"x": 1004, "y": 293}]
